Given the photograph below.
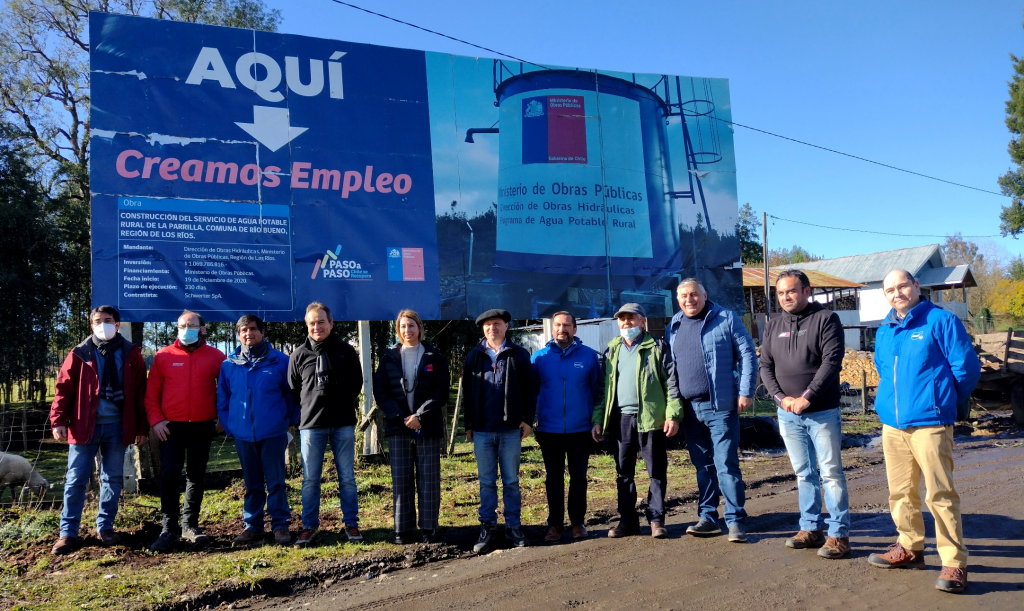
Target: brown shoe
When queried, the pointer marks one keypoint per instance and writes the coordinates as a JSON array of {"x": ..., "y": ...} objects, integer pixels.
[
  {"x": 66, "y": 545},
  {"x": 109, "y": 538},
  {"x": 247, "y": 537},
  {"x": 952, "y": 579},
  {"x": 658, "y": 530},
  {"x": 579, "y": 531},
  {"x": 282, "y": 536},
  {"x": 897, "y": 557},
  {"x": 353, "y": 534},
  {"x": 554, "y": 534},
  {"x": 806, "y": 539},
  {"x": 622, "y": 530},
  {"x": 835, "y": 547}
]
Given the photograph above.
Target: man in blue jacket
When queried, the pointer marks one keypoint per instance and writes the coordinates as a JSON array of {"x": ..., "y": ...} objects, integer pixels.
[
  {"x": 927, "y": 369},
  {"x": 716, "y": 373},
  {"x": 255, "y": 406},
  {"x": 571, "y": 383}
]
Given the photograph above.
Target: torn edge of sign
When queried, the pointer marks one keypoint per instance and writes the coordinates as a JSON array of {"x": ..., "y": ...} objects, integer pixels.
[
  {"x": 140, "y": 75},
  {"x": 155, "y": 138}
]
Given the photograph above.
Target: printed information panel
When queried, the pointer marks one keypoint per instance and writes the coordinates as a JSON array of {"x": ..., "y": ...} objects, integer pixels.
[{"x": 210, "y": 254}]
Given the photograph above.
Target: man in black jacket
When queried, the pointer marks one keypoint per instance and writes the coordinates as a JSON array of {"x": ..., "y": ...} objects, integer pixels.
[
  {"x": 326, "y": 379},
  {"x": 500, "y": 402},
  {"x": 801, "y": 357}
]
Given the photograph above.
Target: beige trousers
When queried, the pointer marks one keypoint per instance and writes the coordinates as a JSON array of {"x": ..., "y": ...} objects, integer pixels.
[{"x": 924, "y": 453}]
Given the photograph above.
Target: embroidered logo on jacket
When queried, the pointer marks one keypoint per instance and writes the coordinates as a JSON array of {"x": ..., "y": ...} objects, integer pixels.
[{"x": 917, "y": 335}]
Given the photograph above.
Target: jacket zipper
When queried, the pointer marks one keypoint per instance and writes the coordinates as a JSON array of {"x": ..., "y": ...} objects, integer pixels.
[{"x": 895, "y": 393}]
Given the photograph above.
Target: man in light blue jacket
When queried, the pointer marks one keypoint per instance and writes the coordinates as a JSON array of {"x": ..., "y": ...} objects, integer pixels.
[
  {"x": 715, "y": 373},
  {"x": 256, "y": 407},
  {"x": 927, "y": 368},
  {"x": 571, "y": 380}
]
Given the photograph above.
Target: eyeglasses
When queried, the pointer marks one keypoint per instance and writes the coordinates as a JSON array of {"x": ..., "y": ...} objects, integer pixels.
[{"x": 183, "y": 327}]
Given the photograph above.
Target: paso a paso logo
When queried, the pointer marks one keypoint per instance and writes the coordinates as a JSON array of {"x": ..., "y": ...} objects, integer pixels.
[{"x": 333, "y": 267}]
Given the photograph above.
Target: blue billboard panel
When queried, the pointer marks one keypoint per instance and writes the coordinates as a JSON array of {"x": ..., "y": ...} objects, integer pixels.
[{"x": 236, "y": 171}]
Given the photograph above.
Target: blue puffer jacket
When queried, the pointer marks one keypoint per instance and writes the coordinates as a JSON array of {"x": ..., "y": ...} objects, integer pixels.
[
  {"x": 254, "y": 402},
  {"x": 926, "y": 366},
  {"x": 729, "y": 356},
  {"x": 571, "y": 383}
]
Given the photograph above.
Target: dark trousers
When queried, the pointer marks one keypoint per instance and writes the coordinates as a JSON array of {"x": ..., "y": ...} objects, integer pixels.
[
  {"x": 415, "y": 464},
  {"x": 187, "y": 446},
  {"x": 651, "y": 446},
  {"x": 556, "y": 448},
  {"x": 264, "y": 472}
]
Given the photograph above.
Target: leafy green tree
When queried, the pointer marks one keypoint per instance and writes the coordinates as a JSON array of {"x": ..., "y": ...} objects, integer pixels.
[
  {"x": 1015, "y": 270},
  {"x": 29, "y": 263},
  {"x": 1012, "y": 183},
  {"x": 747, "y": 230}
]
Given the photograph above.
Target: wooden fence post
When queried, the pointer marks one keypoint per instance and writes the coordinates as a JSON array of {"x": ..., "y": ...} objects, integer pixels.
[
  {"x": 455, "y": 418},
  {"x": 864, "y": 390}
]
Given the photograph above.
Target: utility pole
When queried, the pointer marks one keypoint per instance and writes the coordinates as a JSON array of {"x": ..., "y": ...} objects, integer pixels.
[{"x": 767, "y": 281}]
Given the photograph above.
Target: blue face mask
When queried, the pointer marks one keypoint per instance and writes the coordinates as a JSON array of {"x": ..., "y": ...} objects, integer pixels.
[
  {"x": 630, "y": 334},
  {"x": 188, "y": 336}
]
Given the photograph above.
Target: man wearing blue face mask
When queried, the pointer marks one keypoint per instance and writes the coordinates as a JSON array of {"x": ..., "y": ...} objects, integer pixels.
[
  {"x": 715, "y": 368},
  {"x": 638, "y": 414},
  {"x": 181, "y": 403}
]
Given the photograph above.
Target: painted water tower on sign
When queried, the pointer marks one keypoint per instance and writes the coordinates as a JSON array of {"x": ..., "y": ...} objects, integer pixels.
[{"x": 585, "y": 184}]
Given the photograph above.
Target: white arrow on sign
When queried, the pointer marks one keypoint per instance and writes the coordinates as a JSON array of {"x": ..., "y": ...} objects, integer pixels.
[{"x": 270, "y": 126}]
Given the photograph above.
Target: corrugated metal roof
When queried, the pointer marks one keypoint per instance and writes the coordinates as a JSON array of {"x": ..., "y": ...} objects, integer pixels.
[
  {"x": 754, "y": 277},
  {"x": 873, "y": 267},
  {"x": 947, "y": 276}
]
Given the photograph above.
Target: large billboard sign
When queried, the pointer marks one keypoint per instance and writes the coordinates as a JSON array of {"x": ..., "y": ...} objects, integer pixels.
[{"x": 237, "y": 171}]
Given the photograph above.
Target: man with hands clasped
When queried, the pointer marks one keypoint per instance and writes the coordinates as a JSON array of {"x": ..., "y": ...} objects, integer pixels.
[{"x": 801, "y": 357}]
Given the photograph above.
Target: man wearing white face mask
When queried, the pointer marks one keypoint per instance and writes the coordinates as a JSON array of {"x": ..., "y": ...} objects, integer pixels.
[
  {"x": 181, "y": 403},
  {"x": 638, "y": 414},
  {"x": 98, "y": 407}
]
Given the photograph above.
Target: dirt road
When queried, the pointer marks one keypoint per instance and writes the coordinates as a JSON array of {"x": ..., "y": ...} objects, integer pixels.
[{"x": 708, "y": 574}]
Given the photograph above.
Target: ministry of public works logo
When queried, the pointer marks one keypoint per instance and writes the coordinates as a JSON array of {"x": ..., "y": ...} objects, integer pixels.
[
  {"x": 534, "y": 109},
  {"x": 333, "y": 267}
]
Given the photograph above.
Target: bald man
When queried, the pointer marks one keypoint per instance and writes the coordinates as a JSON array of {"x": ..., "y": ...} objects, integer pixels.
[{"x": 927, "y": 369}]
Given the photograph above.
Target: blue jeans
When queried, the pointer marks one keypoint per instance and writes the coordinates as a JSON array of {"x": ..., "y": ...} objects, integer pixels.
[
  {"x": 343, "y": 445},
  {"x": 106, "y": 439},
  {"x": 493, "y": 450},
  {"x": 814, "y": 442},
  {"x": 713, "y": 439},
  {"x": 263, "y": 470}
]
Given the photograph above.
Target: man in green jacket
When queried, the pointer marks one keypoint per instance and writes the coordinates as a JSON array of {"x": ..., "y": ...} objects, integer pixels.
[{"x": 638, "y": 414}]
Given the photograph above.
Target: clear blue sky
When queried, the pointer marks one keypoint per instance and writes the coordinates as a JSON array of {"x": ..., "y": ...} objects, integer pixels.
[{"x": 919, "y": 85}]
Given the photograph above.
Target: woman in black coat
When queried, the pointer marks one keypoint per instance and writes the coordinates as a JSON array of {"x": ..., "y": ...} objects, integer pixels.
[{"x": 411, "y": 387}]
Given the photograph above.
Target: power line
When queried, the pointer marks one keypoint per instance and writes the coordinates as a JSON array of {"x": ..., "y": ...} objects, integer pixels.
[
  {"x": 901, "y": 235},
  {"x": 731, "y": 123}
]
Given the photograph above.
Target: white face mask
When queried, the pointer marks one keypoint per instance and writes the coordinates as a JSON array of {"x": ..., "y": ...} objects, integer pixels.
[
  {"x": 104, "y": 331},
  {"x": 630, "y": 334}
]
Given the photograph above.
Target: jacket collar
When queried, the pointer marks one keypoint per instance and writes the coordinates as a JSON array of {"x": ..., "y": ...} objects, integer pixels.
[
  {"x": 646, "y": 342},
  {"x": 554, "y": 345},
  {"x": 84, "y": 349},
  {"x": 812, "y": 307},
  {"x": 920, "y": 310},
  {"x": 713, "y": 310},
  {"x": 236, "y": 357}
]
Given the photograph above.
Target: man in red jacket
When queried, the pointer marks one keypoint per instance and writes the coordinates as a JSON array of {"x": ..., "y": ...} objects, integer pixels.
[
  {"x": 181, "y": 403},
  {"x": 98, "y": 407}
]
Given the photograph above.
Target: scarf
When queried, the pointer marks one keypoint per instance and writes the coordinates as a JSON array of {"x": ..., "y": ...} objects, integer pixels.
[
  {"x": 111, "y": 386},
  {"x": 323, "y": 362},
  {"x": 250, "y": 356}
]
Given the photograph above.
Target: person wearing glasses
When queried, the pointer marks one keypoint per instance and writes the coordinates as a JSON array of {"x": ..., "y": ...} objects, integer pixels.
[
  {"x": 411, "y": 387},
  {"x": 181, "y": 404}
]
